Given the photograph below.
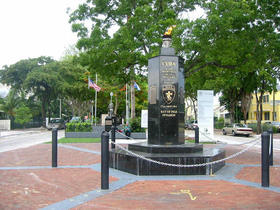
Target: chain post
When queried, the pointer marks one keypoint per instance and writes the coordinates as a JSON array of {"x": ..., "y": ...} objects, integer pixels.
[
  {"x": 54, "y": 147},
  {"x": 265, "y": 159},
  {"x": 105, "y": 160},
  {"x": 113, "y": 132},
  {"x": 196, "y": 132},
  {"x": 270, "y": 131}
]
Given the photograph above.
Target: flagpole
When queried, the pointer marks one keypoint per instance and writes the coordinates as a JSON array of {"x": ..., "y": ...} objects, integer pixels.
[{"x": 95, "y": 106}]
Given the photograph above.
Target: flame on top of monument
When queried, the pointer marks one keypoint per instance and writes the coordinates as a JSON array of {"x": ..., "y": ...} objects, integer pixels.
[{"x": 168, "y": 33}]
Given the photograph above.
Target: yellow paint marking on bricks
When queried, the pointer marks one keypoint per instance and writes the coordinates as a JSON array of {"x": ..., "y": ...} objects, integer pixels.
[{"x": 188, "y": 192}]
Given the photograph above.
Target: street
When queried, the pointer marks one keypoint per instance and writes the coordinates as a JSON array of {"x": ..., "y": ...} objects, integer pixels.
[
  {"x": 230, "y": 139},
  {"x": 23, "y": 139}
]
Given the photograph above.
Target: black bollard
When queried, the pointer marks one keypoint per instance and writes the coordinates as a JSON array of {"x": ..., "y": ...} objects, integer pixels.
[
  {"x": 105, "y": 160},
  {"x": 113, "y": 136},
  {"x": 196, "y": 133},
  {"x": 271, "y": 147},
  {"x": 265, "y": 159},
  {"x": 54, "y": 147}
]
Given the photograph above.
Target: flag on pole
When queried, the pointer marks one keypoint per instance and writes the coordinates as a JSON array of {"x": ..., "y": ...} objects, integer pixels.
[
  {"x": 136, "y": 86},
  {"x": 93, "y": 85}
]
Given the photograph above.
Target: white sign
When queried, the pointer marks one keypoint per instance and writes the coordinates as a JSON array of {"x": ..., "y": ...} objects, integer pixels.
[
  {"x": 144, "y": 118},
  {"x": 205, "y": 118}
]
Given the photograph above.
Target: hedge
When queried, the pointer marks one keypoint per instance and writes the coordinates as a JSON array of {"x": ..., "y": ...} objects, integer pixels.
[{"x": 78, "y": 127}]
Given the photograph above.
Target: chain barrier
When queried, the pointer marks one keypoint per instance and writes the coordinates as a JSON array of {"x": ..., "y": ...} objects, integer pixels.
[
  {"x": 247, "y": 142},
  {"x": 180, "y": 165},
  {"x": 207, "y": 136}
]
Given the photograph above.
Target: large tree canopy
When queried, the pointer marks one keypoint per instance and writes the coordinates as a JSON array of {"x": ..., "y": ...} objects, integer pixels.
[{"x": 236, "y": 45}]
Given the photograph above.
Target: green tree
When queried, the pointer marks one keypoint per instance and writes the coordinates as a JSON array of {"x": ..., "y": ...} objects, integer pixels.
[
  {"x": 140, "y": 27},
  {"x": 23, "y": 115},
  {"x": 43, "y": 83},
  {"x": 232, "y": 44},
  {"x": 10, "y": 103},
  {"x": 15, "y": 74}
]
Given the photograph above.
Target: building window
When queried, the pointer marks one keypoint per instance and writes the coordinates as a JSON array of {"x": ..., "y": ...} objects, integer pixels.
[
  {"x": 266, "y": 99},
  {"x": 266, "y": 116}
]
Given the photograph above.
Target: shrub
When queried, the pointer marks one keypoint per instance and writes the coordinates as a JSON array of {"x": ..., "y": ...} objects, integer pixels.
[
  {"x": 135, "y": 125},
  {"x": 219, "y": 124},
  {"x": 264, "y": 127},
  {"x": 79, "y": 127}
]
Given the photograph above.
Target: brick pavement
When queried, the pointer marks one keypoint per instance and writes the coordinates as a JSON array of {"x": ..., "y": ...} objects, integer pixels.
[{"x": 28, "y": 182}]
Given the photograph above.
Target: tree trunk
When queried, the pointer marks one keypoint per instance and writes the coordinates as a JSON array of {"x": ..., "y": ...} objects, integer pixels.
[
  {"x": 194, "y": 109},
  {"x": 132, "y": 100},
  {"x": 188, "y": 106},
  {"x": 259, "y": 111},
  {"x": 245, "y": 104},
  {"x": 232, "y": 113},
  {"x": 43, "y": 109},
  {"x": 116, "y": 105}
]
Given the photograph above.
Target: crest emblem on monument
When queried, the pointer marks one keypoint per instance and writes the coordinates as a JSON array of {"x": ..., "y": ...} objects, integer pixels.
[{"x": 168, "y": 93}]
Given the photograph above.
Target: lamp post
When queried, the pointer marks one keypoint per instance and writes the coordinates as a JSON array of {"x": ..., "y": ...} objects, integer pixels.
[{"x": 111, "y": 94}]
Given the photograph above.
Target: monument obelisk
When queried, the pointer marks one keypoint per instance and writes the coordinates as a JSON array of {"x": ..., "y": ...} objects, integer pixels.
[
  {"x": 165, "y": 142},
  {"x": 166, "y": 96}
]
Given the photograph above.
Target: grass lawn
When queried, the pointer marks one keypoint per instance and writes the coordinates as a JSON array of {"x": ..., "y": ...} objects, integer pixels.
[
  {"x": 77, "y": 140},
  {"x": 193, "y": 141}
]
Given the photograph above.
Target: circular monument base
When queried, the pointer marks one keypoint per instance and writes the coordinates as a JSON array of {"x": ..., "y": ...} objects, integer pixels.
[
  {"x": 129, "y": 163},
  {"x": 151, "y": 148}
]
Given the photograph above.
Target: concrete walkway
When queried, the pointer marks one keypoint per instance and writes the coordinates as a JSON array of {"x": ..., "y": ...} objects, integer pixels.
[
  {"x": 4, "y": 133},
  {"x": 28, "y": 182}
]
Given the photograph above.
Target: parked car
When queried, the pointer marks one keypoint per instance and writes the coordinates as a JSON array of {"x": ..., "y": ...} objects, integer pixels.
[
  {"x": 194, "y": 124},
  {"x": 274, "y": 124},
  {"x": 237, "y": 128},
  {"x": 56, "y": 123},
  {"x": 191, "y": 124},
  {"x": 75, "y": 120},
  {"x": 188, "y": 124}
]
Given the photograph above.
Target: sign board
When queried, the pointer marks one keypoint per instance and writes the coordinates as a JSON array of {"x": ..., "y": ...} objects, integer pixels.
[
  {"x": 205, "y": 117},
  {"x": 144, "y": 118}
]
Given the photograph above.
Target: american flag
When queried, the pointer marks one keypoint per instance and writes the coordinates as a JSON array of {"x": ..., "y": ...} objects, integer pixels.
[{"x": 93, "y": 85}]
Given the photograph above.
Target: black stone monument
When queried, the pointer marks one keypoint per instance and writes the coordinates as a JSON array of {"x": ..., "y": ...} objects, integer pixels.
[
  {"x": 166, "y": 142},
  {"x": 166, "y": 98}
]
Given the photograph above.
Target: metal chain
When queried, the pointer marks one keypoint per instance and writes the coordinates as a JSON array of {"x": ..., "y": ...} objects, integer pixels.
[
  {"x": 185, "y": 166},
  {"x": 207, "y": 136},
  {"x": 123, "y": 135}
]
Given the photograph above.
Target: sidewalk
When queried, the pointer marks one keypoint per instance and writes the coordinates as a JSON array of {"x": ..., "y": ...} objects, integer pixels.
[
  {"x": 28, "y": 182},
  {"x": 4, "y": 133}
]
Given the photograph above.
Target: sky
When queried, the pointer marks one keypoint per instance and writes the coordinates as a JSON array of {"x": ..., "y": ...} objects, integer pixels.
[{"x": 33, "y": 28}]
